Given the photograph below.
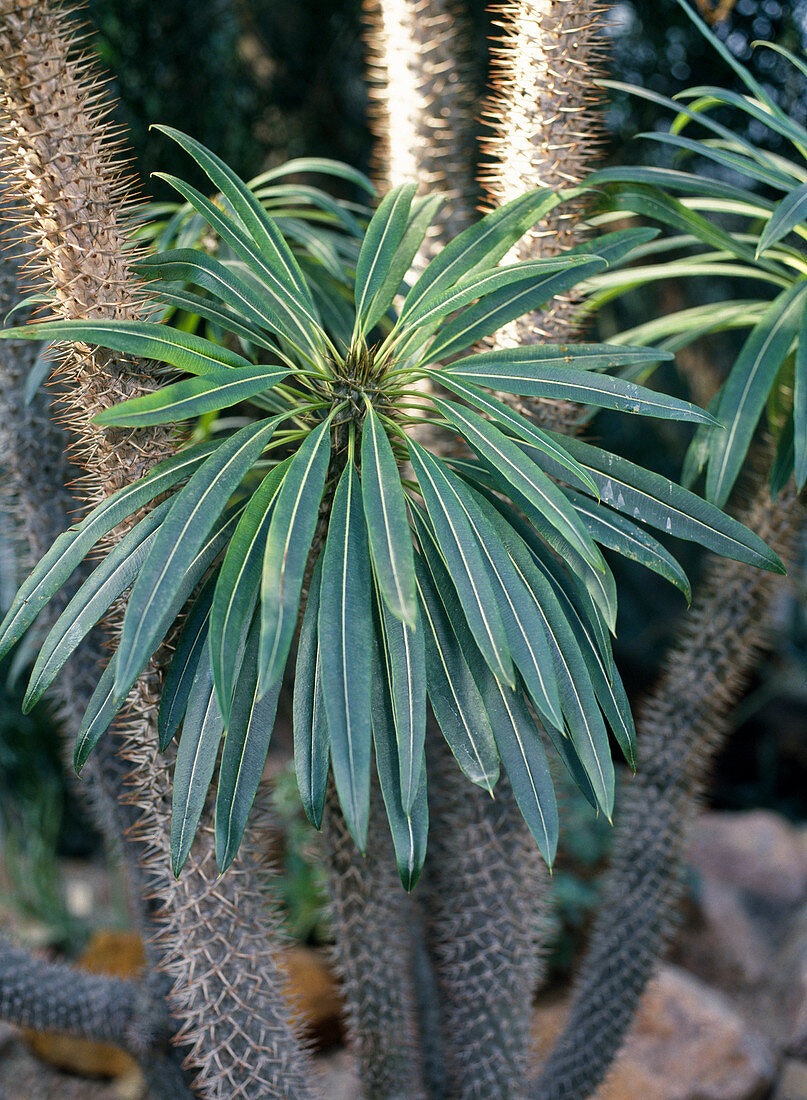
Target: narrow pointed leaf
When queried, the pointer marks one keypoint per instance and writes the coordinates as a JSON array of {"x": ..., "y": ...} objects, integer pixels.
[
  {"x": 800, "y": 405},
  {"x": 463, "y": 557},
  {"x": 522, "y": 477},
  {"x": 345, "y": 640},
  {"x": 238, "y": 585},
  {"x": 454, "y": 696},
  {"x": 409, "y": 827},
  {"x": 403, "y": 652},
  {"x": 587, "y": 356},
  {"x": 246, "y": 745},
  {"x": 746, "y": 389},
  {"x": 73, "y": 545},
  {"x": 788, "y": 214},
  {"x": 145, "y": 339},
  {"x": 384, "y": 234},
  {"x": 191, "y": 397},
  {"x": 291, "y": 530},
  {"x": 184, "y": 530},
  {"x": 654, "y": 500},
  {"x": 312, "y": 742},
  {"x": 292, "y": 302},
  {"x": 213, "y": 311},
  {"x": 104, "y": 585},
  {"x": 387, "y": 522},
  {"x": 184, "y": 663},
  {"x": 610, "y": 529},
  {"x": 104, "y": 704},
  {"x": 196, "y": 760}
]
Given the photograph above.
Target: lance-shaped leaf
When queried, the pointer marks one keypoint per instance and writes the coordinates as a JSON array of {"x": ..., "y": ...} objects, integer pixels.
[
  {"x": 403, "y": 651},
  {"x": 517, "y": 738},
  {"x": 790, "y": 212},
  {"x": 522, "y": 625},
  {"x": 311, "y": 739},
  {"x": 610, "y": 529},
  {"x": 238, "y": 584},
  {"x": 544, "y": 356},
  {"x": 273, "y": 248},
  {"x": 110, "y": 695},
  {"x": 246, "y": 744},
  {"x": 196, "y": 760},
  {"x": 189, "y": 265},
  {"x": 746, "y": 389},
  {"x": 145, "y": 339},
  {"x": 384, "y": 234},
  {"x": 293, "y": 307},
  {"x": 577, "y": 696},
  {"x": 387, "y": 523},
  {"x": 409, "y": 827},
  {"x": 184, "y": 663},
  {"x": 73, "y": 545},
  {"x": 454, "y": 696},
  {"x": 584, "y": 387},
  {"x": 211, "y": 310},
  {"x": 800, "y": 405},
  {"x": 421, "y": 216},
  {"x": 481, "y": 246},
  {"x": 191, "y": 397},
  {"x": 184, "y": 530},
  {"x": 104, "y": 585},
  {"x": 654, "y": 500},
  {"x": 461, "y": 552},
  {"x": 291, "y": 530},
  {"x": 517, "y": 424},
  {"x": 345, "y": 640},
  {"x": 522, "y": 478}
]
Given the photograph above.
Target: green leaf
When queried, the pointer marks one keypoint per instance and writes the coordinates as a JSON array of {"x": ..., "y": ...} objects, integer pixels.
[
  {"x": 480, "y": 247},
  {"x": 654, "y": 500},
  {"x": 238, "y": 585},
  {"x": 73, "y": 545},
  {"x": 523, "y": 627},
  {"x": 104, "y": 585},
  {"x": 38, "y": 374},
  {"x": 522, "y": 478},
  {"x": 409, "y": 828},
  {"x": 304, "y": 165},
  {"x": 345, "y": 639},
  {"x": 610, "y": 529},
  {"x": 790, "y": 212},
  {"x": 746, "y": 389},
  {"x": 109, "y": 697},
  {"x": 387, "y": 523},
  {"x": 213, "y": 311},
  {"x": 671, "y": 179},
  {"x": 753, "y": 166},
  {"x": 246, "y": 745},
  {"x": 800, "y": 405},
  {"x": 291, "y": 530},
  {"x": 191, "y": 397},
  {"x": 782, "y": 466},
  {"x": 184, "y": 530},
  {"x": 196, "y": 760},
  {"x": 312, "y": 741},
  {"x": 544, "y": 356},
  {"x": 517, "y": 424},
  {"x": 384, "y": 234},
  {"x": 189, "y": 265},
  {"x": 403, "y": 651},
  {"x": 260, "y": 227},
  {"x": 290, "y": 296},
  {"x": 454, "y": 696},
  {"x": 584, "y": 387},
  {"x": 184, "y": 663},
  {"x": 463, "y": 557},
  {"x": 145, "y": 339}
]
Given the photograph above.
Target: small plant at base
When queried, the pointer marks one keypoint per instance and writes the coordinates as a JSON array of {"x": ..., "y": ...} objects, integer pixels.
[{"x": 476, "y": 581}]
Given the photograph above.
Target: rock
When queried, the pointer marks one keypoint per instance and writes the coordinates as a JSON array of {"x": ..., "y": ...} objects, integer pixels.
[
  {"x": 313, "y": 989},
  {"x": 688, "y": 1043},
  {"x": 758, "y": 852},
  {"x": 792, "y": 1083}
]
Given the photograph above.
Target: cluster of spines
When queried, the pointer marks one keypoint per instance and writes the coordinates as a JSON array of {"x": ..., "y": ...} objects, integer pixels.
[{"x": 65, "y": 174}]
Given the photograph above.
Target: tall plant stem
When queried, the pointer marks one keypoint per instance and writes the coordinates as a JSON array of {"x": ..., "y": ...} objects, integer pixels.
[{"x": 68, "y": 186}]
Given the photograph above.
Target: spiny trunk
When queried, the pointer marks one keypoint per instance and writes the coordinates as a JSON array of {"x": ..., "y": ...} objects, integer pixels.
[{"x": 220, "y": 941}]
